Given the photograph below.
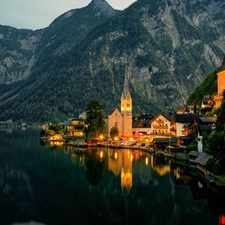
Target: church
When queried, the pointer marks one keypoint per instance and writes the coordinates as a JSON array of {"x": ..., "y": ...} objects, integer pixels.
[{"x": 122, "y": 119}]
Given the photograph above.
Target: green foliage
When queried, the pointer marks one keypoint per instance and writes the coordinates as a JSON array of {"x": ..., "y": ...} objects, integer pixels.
[
  {"x": 191, "y": 147},
  {"x": 114, "y": 132},
  {"x": 219, "y": 166},
  {"x": 51, "y": 132},
  {"x": 207, "y": 87},
  {"x": 210, "y": 164},
  {"x": 94, "y": 122},
  {"x": 214, "y": 143},
  {"x": 55, "y": 127},
  {"x": 222, "y": 179}
]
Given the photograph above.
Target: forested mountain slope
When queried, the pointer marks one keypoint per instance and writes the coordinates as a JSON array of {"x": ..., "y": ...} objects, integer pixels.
[{"x": 171, "y": 45}]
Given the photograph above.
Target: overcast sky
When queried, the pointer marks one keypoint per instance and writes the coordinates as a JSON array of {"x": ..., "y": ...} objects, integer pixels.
[{"x": 36, "y": 14}]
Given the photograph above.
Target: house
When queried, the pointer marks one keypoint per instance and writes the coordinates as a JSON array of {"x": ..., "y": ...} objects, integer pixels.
[
  {"x": 207, "y": 105},
  {"x": 142, "y": 125},
  {"x": 186, "y": 109},
  {"x": 162, "y": 143},
  {"x": 204, "y": 125},
  {"x": 183, "y": 124},
  {"x": 163, "y": 124},
  {"x": 74, "y": 127}
]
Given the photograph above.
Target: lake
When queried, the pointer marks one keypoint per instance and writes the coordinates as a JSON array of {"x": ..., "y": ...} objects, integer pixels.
[{"x": 58, "y": 185}]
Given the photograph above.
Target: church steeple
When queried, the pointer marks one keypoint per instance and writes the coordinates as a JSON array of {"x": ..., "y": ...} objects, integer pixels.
[
  {"x": 126, "y": 105},
  {"x": 126, "y": 83}
]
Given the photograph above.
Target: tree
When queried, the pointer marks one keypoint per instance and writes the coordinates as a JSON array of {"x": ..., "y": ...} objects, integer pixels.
[
  {"x": 114, "y": 132},
  {"x": 94, "y": 122}
]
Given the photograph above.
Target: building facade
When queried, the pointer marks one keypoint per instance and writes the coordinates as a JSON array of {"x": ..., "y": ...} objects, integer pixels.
[
  {"x": 122, "y": 119},
  {"x": 220, "y": 85}
]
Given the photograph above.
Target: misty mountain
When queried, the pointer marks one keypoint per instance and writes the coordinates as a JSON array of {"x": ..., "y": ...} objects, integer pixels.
[{"x": 170, "y": 46}]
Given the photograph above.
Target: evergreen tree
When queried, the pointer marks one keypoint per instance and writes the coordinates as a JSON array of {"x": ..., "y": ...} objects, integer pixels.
[{"x": 94, "y": 122}]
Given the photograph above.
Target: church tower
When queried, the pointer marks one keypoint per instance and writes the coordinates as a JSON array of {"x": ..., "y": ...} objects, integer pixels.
[
  {"x": 220, "y": 85},
  {"x": 126, "y": 107}
]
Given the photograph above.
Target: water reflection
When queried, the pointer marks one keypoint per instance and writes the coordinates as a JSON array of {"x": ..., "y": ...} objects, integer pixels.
[{"x": 67, "y": 185}]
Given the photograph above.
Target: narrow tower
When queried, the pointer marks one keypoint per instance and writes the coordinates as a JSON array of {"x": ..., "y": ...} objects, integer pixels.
[{"x": 126, "y": 107}]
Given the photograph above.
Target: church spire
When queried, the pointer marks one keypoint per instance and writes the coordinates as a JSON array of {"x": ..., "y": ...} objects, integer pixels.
[{"x": 126, "y": 82}]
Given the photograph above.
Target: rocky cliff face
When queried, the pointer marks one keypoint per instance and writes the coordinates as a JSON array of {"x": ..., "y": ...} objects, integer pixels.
[
  {"x": 20, "y": 49},
  {"x": 171, "y": 45},
  {"x": 17, "y": 50}
]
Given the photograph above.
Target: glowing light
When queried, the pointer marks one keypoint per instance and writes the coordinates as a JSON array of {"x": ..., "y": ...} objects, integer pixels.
[
  {"x": 116, "y": 155},
  {"x": 146, "y": 161},
  {"x": 101, "y": 154},
  {"x": 131, "y": 157}
]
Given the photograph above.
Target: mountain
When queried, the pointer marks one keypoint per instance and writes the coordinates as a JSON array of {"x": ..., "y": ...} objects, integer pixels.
[{"x": 171, "y": 45}]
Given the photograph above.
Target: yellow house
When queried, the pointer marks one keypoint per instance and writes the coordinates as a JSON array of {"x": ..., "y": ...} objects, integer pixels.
[{"x": 74, "y": 127}]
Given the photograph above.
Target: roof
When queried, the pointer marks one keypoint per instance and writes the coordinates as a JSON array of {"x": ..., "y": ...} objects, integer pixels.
[
  {"x": 146, "y": 123},
  {"x": 208, "y": 119},
  {"x": 163, "y": 140},
  {"x": 202, "y": 157},
  {"x": 145, "y": 117},
  {"x": 67, "y": 123},
  {"x": 203, "y": 128},
  {"x": 109, "y": 111},
  {"x": 206, "y": 99},
  {"x": 186, "y": 137},
  {"x": 222, "y": 67},
  {"x": 168, "y": 116},
  {"x": 126, "y": 89},
  {"x": 185, "y": 118}
]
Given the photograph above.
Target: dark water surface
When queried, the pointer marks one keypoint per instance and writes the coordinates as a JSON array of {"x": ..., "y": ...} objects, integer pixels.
[{"x": 56, "y": 185}]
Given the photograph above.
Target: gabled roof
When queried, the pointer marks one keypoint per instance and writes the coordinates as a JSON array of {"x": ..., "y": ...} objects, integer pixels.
[
  {"x": 107, "y": 112},
  {"x": 167, "y": 116}
]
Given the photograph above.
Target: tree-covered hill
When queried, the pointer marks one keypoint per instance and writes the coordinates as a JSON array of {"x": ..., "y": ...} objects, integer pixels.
[{"x": 207, "y": 87}]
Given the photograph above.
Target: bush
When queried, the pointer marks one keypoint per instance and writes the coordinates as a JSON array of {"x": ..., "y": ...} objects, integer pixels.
[{"x": 191, "y": 147}]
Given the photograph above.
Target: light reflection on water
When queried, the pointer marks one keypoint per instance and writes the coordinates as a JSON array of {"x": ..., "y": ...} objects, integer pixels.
[{"x": 58, "y": 184}]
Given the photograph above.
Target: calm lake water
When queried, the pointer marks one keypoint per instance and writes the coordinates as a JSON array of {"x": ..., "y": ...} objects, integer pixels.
[{"x": 51, "y": 185}]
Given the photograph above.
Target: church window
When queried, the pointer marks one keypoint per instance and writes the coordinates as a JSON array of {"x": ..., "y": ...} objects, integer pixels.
[{"x": 116, "y": 124}]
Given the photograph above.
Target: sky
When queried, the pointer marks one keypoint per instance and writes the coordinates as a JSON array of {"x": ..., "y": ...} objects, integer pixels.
[{"x": 37, "y": 14}]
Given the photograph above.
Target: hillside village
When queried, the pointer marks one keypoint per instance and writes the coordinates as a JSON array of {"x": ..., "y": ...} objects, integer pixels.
[{"x": 165, "y": 129}]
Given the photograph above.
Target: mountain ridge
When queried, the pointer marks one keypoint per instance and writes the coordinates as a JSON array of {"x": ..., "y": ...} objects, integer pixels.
[{"x": 171, "y": 46}]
